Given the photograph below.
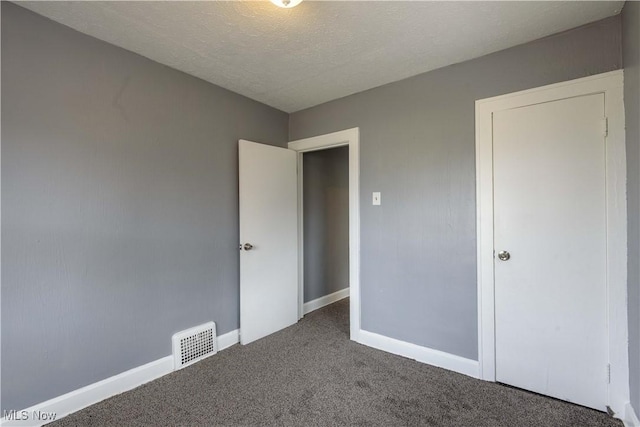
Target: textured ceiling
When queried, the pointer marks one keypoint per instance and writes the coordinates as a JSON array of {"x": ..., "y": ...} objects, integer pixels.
[{"x": 296, "y": 58}]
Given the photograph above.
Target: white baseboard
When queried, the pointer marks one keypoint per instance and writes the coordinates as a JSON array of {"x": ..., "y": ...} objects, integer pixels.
[
  {"x": 227, "y": 340},
  {"x": 421, "y": 354},
  {"x": 79, "y": 399},
  {"x": 310, "y": 306},
  {"x": 630, "y": 417}
]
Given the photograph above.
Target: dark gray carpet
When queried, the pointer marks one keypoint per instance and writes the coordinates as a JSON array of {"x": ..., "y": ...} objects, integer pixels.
[{"x": 311, "y": 374}]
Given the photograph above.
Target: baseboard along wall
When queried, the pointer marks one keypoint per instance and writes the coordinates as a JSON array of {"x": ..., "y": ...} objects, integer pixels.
[
  {"x": 71, "y": 402},
  {"x": 421, "y": 354},
  {"x": 317, "y": 303},
  {"x": 630, "y": 417}
]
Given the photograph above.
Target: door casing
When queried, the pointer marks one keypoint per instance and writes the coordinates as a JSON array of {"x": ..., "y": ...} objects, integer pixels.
[
  {"x": 611, "y": 84},
  {"x": 350, "y": 138}
]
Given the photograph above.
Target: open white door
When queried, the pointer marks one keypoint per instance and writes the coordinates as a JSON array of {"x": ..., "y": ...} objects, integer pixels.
[{"x": 268, "y": 240}]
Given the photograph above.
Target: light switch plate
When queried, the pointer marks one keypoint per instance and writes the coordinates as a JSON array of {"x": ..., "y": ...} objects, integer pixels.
[{"x": 376, "y": 198}]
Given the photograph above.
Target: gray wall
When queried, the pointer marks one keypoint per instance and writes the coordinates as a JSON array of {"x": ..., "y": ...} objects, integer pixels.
[
  {"x": 119, "y": 188},
  {"x": 326, "y": 222},
  {"x": 418, "y": 250},
  {"x": 120, "y": 206},
  {"x": 631, "y": 58}
]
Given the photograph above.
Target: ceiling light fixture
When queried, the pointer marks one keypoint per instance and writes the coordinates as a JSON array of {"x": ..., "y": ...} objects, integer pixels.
[{"x": 287, "y": 4}]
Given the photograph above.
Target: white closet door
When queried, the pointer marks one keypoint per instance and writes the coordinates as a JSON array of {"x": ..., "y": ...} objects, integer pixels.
[{"x": 549, "y": 207}]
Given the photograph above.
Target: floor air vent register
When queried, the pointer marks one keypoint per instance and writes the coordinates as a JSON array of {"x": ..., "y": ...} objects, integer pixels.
[{"x": 194, "y": 344}]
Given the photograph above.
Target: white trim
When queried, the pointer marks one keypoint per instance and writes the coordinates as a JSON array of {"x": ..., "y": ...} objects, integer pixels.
[
  {"x": 611, "y": 84},
  {"x": 350, "y": 138},
  {"x": 96, "y": 392},
  {"x": 325, "y": 300},
  {"x": 227, "y": 340},
  {"x": 300, "y": 236},
  {"x": 630, "y": 418},
  {"x": 421, "y": 354},
  {"x": 93, "y": 393}
]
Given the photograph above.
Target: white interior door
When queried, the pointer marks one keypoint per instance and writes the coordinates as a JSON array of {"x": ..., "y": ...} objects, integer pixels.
[
  {"x": 268, "y": 239},
  {"x": 549, "y": 207}
]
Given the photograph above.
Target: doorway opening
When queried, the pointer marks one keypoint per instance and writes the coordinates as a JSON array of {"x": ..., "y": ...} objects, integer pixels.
[
  {"x": 325, "y": 193},
  {"x": 324, "y": 283}
]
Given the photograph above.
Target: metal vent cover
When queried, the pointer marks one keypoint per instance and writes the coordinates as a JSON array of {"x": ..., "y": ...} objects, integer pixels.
[{"x": 194, "y": 344}]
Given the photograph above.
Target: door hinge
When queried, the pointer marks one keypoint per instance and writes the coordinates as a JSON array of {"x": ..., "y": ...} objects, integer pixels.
[
  {"x": 608, "y": 373},
  {"x": 605, "y": 126}
]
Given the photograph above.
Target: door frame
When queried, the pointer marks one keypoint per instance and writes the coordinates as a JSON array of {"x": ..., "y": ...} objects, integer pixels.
[
  {"x": 350, "y": 138},
  {"x": 611, "y": 84}
]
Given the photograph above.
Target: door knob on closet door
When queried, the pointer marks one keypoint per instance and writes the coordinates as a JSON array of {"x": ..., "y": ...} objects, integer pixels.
[
  {"x": 247, "y": 246},
  {"x": 504, "y": 256}
]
